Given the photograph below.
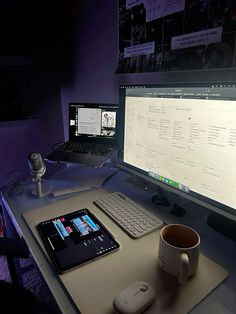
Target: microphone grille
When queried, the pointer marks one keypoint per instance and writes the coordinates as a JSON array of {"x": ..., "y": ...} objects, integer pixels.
[{"x": 35, "y": 162}]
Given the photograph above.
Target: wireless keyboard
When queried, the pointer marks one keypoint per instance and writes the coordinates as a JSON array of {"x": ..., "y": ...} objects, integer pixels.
[{"x": 131, "y": 217}]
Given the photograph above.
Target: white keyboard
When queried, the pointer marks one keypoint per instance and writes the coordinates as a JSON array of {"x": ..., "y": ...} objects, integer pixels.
[{"x": 131, "y": 217}]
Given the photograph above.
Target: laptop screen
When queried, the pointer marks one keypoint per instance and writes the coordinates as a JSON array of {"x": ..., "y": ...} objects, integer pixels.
[{"x": 96, "y": 122}]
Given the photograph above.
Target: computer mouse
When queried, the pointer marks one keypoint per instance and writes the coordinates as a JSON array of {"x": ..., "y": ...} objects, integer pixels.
[{"x": 135, "y": 298}]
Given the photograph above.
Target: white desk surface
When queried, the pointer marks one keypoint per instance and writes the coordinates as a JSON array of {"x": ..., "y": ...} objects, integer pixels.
[{"x": 215, "y": 246}]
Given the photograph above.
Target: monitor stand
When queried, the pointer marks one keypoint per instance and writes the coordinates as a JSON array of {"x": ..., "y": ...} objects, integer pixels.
[
  {"x": 141, "y": 183},
  {"x": 224, "y": 225},
  {"x": 159, "y": 198}
]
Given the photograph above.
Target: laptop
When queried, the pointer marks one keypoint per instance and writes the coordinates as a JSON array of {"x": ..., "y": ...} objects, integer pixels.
[{"x": 92, "y": 135}]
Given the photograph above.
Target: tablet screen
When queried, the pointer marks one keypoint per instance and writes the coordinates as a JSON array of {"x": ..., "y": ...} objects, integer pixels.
[{"x": 75, "y": 238}]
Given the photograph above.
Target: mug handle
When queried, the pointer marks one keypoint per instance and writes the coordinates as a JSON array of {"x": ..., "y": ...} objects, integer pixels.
[{"x": 184, "y": 266}]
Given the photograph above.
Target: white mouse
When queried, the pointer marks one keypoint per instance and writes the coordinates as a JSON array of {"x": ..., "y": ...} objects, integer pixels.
[{"x": 134, "y": 299}]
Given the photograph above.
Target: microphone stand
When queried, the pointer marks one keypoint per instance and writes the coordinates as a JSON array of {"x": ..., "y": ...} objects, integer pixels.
[
  {"x": 38, "y": 185},
  {"x": 40, "y": 190}
]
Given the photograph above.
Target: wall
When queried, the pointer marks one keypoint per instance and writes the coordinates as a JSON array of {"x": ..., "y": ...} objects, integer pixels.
[
  {"x": 41, "y": 97},
  {"x": 15, "y": 144},
  {"x": 93, "y": 77},
  {"x": 40, "y": 31},
  {"x": 85, "y": 71}
]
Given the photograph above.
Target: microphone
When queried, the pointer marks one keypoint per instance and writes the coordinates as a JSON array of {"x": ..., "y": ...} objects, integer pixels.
[
  {"x": 37, "y": 169},
  {"x": 36, "y": 164}
]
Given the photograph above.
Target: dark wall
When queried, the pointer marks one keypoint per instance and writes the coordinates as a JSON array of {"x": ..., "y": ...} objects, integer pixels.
[
  {"x": 34, "y": 28},
  {"x": 37, "y": 32},
  {"x": 73, "y": 46},
  {"x": 40, "y": 93},
  {"x": 96, "y": 47}
]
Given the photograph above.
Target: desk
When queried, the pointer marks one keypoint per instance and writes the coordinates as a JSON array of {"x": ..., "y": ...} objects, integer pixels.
[{"x": 215, "y": 246}]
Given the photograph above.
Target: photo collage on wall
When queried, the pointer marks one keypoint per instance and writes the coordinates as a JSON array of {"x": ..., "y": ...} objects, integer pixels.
[{"x": 176, "y": 35}]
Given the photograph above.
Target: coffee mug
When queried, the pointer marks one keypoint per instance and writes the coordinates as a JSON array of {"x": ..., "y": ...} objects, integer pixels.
[{"x": 179, "y": 251}]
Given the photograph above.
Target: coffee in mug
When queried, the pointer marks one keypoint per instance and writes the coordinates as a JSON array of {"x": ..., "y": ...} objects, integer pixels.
[{"x": 179, "y": 251}]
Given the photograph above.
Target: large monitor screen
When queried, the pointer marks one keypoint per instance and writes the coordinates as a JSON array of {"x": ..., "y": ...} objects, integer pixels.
[{"x": 183, "y": 137}]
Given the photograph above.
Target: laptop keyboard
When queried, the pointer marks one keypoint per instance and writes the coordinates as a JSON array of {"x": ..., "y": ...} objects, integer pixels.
[
  {"x": 86, "y": 148},
  {"x": 131, "y": 217}
]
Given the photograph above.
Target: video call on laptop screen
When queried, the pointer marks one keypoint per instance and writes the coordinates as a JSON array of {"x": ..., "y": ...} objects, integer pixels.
[{"x": 98, "y": 121}]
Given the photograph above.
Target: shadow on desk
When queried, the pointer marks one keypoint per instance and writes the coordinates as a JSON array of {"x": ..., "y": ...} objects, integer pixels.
[{"x": 86, "y": 176}]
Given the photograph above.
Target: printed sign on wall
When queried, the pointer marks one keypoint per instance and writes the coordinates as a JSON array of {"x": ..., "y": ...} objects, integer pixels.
[{"x": 176, "y": 35}]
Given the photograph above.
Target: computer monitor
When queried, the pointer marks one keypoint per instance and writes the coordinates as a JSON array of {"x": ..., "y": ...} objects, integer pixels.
[{"x": 182, "y": 137}]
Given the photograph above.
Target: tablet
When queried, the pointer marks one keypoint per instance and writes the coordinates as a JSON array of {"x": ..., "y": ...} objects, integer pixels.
[{"x": 76, "y": 238}]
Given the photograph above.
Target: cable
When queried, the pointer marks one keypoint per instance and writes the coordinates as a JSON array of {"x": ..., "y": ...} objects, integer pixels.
[
  {"x": 57, "y": 145},
  {"x": 13, "y": 180}
]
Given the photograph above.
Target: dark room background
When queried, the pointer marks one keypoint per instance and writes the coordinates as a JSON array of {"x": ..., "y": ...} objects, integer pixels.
[{"x": 54, "y": 52}]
